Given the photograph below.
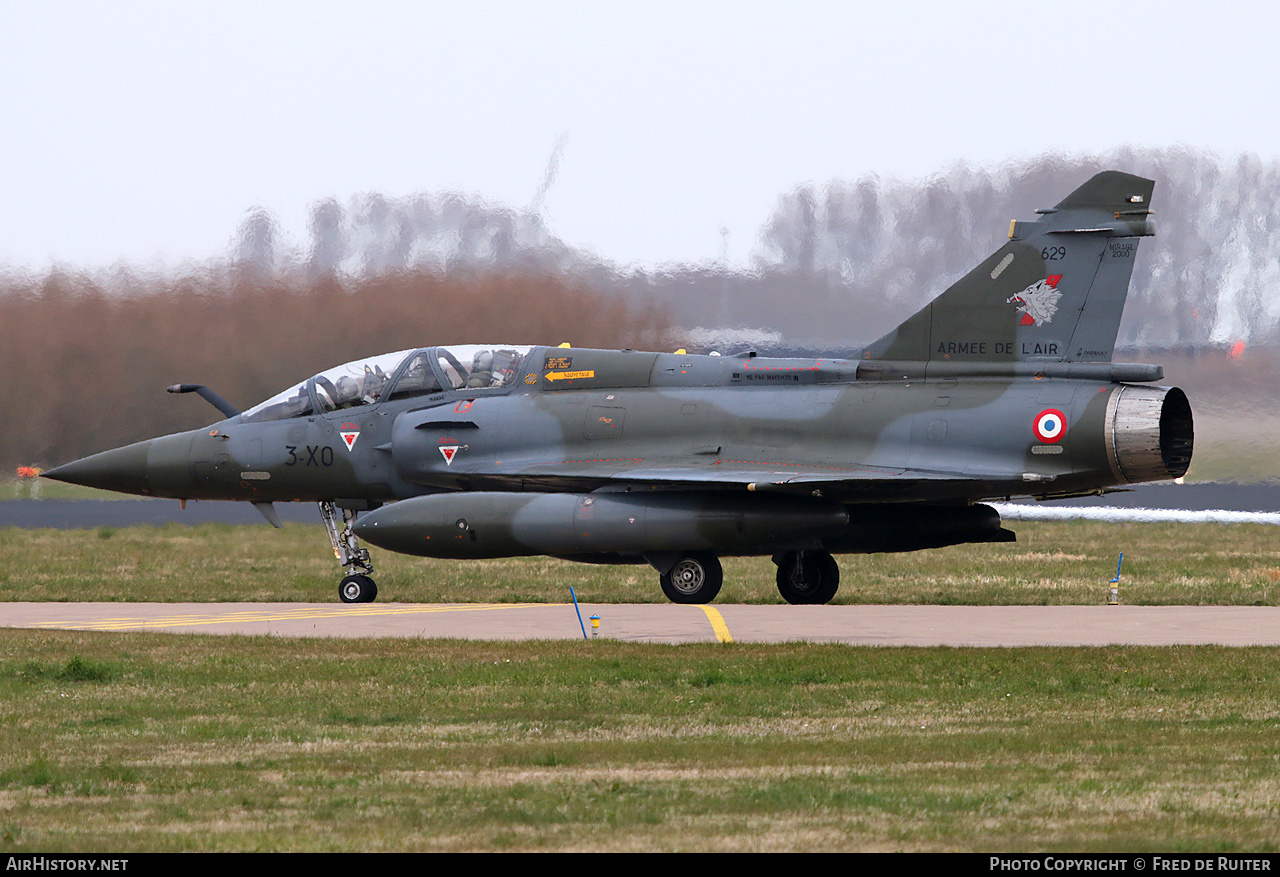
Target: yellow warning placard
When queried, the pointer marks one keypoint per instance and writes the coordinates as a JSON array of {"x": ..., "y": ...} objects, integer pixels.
[{"x": 569, "y": 376}]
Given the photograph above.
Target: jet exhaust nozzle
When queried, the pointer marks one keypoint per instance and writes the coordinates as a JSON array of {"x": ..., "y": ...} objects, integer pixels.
[{"x": 1150, "y": 433}]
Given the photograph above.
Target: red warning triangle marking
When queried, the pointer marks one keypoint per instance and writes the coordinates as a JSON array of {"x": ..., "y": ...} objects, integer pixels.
[
  {"x": 448, "y": 452},
  {"x": 350, "y": 438}
]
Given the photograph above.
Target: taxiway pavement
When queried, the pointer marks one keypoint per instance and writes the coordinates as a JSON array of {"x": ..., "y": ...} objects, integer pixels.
[{"x": 890, "y": 625}]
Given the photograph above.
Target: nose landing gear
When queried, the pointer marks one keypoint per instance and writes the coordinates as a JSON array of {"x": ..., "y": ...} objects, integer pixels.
[{"x": 357, "y": 587}]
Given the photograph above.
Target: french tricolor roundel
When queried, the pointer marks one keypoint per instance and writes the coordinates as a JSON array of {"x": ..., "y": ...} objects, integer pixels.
[{"x": 1051, "y": 425}]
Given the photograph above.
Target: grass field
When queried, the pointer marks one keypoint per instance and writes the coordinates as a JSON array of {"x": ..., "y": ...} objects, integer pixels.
[
  {"x": 1051, "y": 563},
  {"x": 159, "y": 742},
  {"x": 135, "y": 742}
]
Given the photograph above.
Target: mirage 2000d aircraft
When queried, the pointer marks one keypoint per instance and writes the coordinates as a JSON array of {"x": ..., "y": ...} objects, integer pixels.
[{"x": 1002, "y": 386}]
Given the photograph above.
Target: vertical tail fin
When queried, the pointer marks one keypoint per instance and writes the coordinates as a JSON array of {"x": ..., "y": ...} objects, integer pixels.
[{"x": 1054, "y": 292}]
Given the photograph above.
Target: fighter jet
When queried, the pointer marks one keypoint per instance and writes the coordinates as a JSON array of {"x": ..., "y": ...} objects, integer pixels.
[{"x": 1000, "y": 387}]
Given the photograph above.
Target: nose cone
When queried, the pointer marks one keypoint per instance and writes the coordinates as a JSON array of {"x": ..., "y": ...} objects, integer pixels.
[{"x": 122, "y": 469}]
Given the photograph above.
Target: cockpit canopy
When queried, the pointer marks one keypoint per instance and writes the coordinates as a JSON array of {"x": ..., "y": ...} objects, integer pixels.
[{"x": 400, "y": 375}]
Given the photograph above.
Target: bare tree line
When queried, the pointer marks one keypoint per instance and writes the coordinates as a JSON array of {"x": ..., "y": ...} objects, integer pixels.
[
  {"x": 1209, "y": 276},
  {"x": 842, "y": 262},
  {"x": 87, "y": 354},
  {"x": 87, "y": 358}
]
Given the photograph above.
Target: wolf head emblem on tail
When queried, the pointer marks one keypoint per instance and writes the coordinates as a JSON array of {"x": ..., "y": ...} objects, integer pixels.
[{"x": 1038, "y": 302}]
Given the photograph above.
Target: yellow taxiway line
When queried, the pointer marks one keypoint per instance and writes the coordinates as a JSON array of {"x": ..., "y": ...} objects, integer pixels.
[{"x": 717, "y": 624}]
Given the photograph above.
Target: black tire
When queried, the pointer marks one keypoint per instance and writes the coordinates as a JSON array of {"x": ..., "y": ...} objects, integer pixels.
[
  {"x": 696, "y": 578},
  {"x": 357, "y": 589},
  {"x": 807, "y": 578}
]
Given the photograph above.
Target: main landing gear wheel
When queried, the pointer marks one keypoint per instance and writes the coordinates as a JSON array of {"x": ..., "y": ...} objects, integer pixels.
[
  {"x": 695, "y": 578},
  {"x": 807, "y": 577},
  {"x": 357, "y": 589}
]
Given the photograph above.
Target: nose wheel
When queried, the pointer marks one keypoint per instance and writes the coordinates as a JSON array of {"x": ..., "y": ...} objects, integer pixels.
[
  {"x": 358, "y": 586},
  {"x": 358, "y": 589}
]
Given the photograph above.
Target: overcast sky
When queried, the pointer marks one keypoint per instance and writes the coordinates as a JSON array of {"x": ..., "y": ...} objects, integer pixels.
[{"x": 144, "y": 131}]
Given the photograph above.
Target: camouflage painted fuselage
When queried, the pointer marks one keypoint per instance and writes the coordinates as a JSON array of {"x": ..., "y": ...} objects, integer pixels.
[
  {"x": 807, "y": 449},
  {"x": 1002, "y": 386}
]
